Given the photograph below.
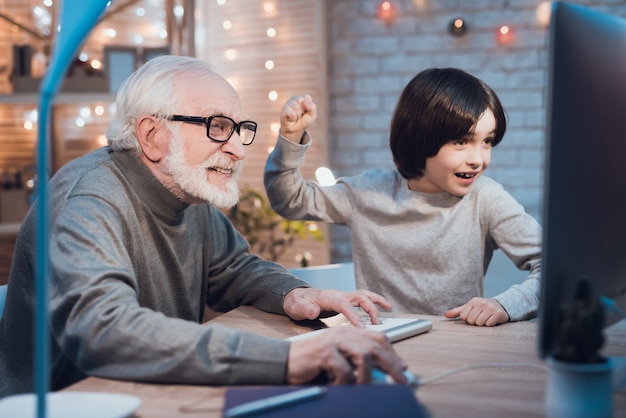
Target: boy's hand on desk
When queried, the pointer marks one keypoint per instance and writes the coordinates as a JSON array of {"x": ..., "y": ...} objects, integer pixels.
[
  {"x": 480, "y": 311},
  {"x": 343, "y": 355},
  {"x": 309, "y": 303}
]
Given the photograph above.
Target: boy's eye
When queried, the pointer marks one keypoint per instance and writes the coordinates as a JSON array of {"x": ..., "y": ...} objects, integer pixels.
[
  {"x": 460, "y": 141},
  {"x": 488, "y": 141}
]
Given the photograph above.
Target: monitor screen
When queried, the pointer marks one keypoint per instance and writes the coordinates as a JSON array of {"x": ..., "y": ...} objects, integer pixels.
[{"x": 585, "y": 168}]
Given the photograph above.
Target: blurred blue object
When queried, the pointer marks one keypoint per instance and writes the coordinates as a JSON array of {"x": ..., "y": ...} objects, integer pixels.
[
  {"x": 330, "y": 276},
  {"x": 76, "y": 19},
  {"x": 3, "y": 296}
]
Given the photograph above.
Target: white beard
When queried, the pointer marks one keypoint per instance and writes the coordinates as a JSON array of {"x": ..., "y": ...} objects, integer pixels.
[{"x": 193, "y": 182}]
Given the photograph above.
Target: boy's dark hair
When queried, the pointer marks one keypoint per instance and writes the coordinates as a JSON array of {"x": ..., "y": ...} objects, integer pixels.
[{"x": 437, "y": 106}]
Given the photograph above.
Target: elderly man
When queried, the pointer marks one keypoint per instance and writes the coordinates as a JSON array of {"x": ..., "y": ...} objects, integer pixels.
[{"x": 138, "y": 248}]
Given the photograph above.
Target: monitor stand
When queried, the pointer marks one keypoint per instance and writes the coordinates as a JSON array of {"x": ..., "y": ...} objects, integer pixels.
[
  {"x": 619, "y": 373},
  {"x": 581, "y": 381},
  {"x": 579, "y": 390}
]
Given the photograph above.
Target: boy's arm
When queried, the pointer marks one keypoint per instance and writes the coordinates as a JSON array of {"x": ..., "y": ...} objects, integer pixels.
[{"x": 290, "y": 195}]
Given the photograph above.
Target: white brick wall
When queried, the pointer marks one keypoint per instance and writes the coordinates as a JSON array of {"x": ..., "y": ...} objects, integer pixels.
[{"x": 371, "y": 61}]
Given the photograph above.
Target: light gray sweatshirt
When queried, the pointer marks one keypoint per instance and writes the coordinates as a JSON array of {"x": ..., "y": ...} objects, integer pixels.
[{"x": 424, "y": 252}]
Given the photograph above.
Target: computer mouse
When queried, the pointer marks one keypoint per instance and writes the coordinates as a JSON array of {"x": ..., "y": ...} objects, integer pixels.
[{"x": 381, "y": 378}]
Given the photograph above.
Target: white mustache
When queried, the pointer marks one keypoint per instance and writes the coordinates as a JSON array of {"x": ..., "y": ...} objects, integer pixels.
[{"x": 223, "y": 162}]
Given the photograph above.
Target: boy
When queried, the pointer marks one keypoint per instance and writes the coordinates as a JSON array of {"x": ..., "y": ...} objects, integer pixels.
[{"x": 423, "y": 234}]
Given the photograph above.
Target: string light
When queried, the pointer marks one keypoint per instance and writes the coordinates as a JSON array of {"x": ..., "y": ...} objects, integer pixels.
[
  {"x": 505, "y": 34},
  {"x": 543, "y": 13},
  {"x": 85, "y": 112},
  {"x": 271, "y": 32},
  {"x": 230, "y": 54},
  {"x": 457, "y": 27},
  {"x": 386, "y": 11},
  {"x": 269, "y": 64},
  {"x": 325, "y": 176}
]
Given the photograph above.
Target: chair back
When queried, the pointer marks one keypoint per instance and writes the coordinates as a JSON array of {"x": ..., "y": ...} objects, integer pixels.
[{"x": 330, "y": 276}]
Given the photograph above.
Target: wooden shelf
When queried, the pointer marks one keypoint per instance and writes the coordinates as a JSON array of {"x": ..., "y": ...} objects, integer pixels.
[{"x": 81, "y": 97}]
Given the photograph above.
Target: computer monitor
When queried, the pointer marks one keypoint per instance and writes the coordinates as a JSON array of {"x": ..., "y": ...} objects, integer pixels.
[{"x": 585, "y": 173}]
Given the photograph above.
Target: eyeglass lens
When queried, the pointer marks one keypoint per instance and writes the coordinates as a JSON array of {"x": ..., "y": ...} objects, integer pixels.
[{"x": 220, "y": 128}]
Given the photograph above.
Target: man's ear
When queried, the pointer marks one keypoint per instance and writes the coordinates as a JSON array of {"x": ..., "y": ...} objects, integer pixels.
[{"x": 147, "y": 128}]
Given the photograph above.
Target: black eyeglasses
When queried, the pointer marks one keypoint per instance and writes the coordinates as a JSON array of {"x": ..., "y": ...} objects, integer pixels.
[{"x": 221, "y": 128}]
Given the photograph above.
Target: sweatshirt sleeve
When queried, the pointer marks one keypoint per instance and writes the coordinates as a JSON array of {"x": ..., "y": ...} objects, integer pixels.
[
  {"x": 519, "y": 236},
  {"x": 292, "y": 197}
]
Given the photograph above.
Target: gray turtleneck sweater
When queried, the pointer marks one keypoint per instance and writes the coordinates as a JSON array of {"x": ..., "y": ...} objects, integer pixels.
[{"x": 132, "y": 269}]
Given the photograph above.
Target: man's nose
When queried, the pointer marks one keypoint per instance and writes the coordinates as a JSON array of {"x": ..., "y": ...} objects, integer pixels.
[{"x": 234, "y": 147}]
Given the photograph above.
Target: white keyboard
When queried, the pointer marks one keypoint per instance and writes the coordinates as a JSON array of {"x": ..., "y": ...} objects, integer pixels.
[{"x": 396, "y": 328}]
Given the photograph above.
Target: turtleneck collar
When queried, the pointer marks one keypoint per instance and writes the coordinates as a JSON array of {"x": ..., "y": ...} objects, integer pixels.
[{"x": 148, "y": 188}]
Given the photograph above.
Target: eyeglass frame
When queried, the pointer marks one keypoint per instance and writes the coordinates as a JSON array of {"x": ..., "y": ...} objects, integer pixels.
[{"x": 200, "y": 120}]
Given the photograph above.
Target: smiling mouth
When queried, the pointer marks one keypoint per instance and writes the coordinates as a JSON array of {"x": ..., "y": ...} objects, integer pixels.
[
  {"x": 221, "y": 170},
  {"x": 466, "y": 175}
]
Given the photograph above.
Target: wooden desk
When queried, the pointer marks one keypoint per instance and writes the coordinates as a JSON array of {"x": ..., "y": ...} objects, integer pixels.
[{"x": 515, "y": 391}]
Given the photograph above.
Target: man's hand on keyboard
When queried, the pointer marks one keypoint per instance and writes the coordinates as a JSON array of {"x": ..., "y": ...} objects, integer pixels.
[
  {"x": 343, "y": 355},
  {"x": 308, "y": 303}
]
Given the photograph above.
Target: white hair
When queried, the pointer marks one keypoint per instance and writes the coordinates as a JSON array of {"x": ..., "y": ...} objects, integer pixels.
[{"x": 151, "y": 89}]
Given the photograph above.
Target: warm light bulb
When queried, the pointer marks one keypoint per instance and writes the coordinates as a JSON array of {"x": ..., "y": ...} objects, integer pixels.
[
  {"x": 96, "y": 64},
  {"x": 230, "y": 54},
  {"x": 386, "y": 10},
  {"x": 457, "y": 27},
  {"x": 505, "y": 34},
  {"x": 269, "y": 64},
  {"x": 271, "y": 32},
  {"x": 324, "y": 176},
  {"x": 543, "y": 13},
  {"x": 273, "y": 95},
  {"x": 227, "y": 24},
  {"x": 275, "y": 127},
  {"x": 99, "y": 110},
  {"x": 179, "y": 11},
  {"x": 268, "y": 7}
]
